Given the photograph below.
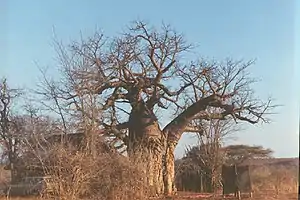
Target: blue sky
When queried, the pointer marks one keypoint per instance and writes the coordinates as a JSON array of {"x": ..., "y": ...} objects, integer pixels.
[{"x": 265, "y": 30}]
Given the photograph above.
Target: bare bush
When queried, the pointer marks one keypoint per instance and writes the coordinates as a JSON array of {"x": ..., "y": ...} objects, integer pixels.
[
  {"x": 77, "y": 173},
  {"x": 279, "y": 179},
  {"x": 4, "y": 177}
]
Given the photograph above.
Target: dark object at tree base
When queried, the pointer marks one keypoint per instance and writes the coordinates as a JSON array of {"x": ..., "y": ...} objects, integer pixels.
[{"x": 236, "y": 179}]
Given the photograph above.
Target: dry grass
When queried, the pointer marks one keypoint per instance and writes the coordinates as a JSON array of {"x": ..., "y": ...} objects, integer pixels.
[
  {"x": 4, "y": 177},
  {"x": 82, "y": 175},
  {"x": 197, "y": 197},
  {"x": 276, "y": 179},
  {"x": 106, "y": 176}
]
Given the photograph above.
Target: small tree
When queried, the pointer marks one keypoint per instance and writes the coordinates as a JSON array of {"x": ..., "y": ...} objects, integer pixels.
[
  {"x": 207, "y": 157},
  {"x": 9, "y": 126}
]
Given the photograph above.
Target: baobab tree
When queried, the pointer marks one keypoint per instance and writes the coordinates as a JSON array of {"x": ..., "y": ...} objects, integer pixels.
[{"x": 142, "y": 72}]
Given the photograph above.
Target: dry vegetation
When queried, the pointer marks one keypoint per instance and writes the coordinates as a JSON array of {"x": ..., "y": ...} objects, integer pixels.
[
  {"x": 114, "y": 177},
  {"x": 79, "y": 175},
  {"x": 276, "y": 178},
  {"x": 107, "y": 176}
]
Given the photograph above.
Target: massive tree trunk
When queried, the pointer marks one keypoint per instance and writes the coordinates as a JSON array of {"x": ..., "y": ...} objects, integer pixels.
[{"x": 146, "y": 146}]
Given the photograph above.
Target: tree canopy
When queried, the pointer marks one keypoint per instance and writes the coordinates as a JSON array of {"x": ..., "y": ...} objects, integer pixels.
[{"x": 237, "y": 154}]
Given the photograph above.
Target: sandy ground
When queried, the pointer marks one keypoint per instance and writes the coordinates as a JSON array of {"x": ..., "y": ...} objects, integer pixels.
[{"x": 244, "y": 196}]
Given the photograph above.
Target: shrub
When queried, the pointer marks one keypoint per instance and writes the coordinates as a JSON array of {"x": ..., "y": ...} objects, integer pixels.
[{"x": 106, "y": 176}]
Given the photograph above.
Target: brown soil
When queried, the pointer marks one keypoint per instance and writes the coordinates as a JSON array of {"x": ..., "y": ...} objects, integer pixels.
[{"x": 256, "y": 196}]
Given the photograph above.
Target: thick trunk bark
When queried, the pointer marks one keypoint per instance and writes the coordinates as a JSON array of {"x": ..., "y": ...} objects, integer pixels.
[
  {"x": 170, "y": 169},
  {"x": 173, "y": 132},
  {"x": 11, "y": 158},
  {"x": 148, "y": 154},
  {"x": 146, "y": 147},
  {"x": 148, "y": 144}
]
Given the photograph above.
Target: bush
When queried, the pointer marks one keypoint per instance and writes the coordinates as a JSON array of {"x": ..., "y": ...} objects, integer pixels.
[
  {"x": 280, "y": 179},
  {"x": 106, "y": 176}
]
